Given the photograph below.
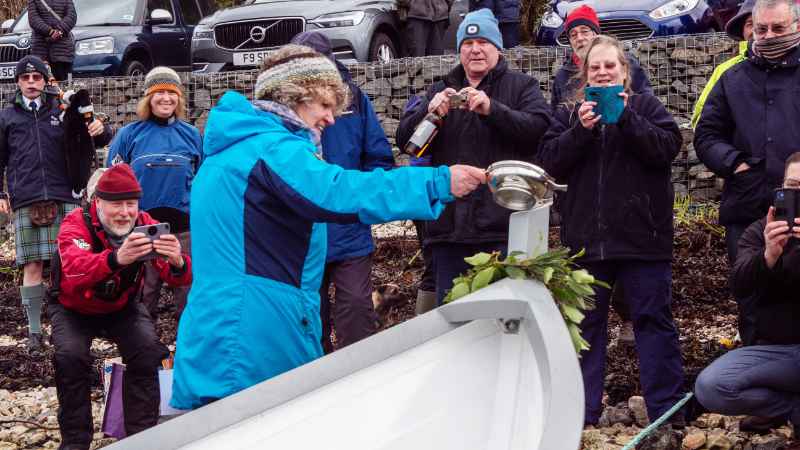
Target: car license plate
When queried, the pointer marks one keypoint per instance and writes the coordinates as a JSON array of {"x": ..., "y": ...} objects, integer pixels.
[
  {"x": 7, "y": 72},
  {"x": 249, "y": 58}
]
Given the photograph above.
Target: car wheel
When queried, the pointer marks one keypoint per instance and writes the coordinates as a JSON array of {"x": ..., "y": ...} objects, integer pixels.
[
  {"x": 382, "y": 48},
  {"x": 134, "y": 68}
]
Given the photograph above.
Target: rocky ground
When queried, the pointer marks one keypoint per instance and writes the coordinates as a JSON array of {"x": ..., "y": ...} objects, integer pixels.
[{"x": 703, "y": 308}]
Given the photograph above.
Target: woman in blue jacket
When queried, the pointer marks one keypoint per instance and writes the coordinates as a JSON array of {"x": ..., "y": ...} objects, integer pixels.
[
  {"x": 619, "y": 209},
  {"x": 259, "y": 207},
  {"x": 165, "y": 153}
]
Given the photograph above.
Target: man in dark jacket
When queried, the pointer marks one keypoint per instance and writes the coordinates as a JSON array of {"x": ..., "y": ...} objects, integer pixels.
[
  {"x": 102, "y": 264},
  {"x": 503, "y": 118},
  {"x": 747, "y": 128},
  {"x": 39, "y": 190},
  {"x": 52, "y": 22},
  {"x": 507, "y": 14},
  {"x": 762, "y": 379},
  {"x": 581, "y": 26},
  {"x": 355, "y": 141},
  {"x": 426, "y": 22}
]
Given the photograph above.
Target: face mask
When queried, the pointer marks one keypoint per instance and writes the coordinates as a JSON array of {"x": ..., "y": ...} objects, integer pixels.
[{"x": 775, "y": 48}]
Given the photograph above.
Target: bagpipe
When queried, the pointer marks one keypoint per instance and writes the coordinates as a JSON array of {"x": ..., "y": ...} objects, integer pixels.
[{"x": 78, "y": 145}]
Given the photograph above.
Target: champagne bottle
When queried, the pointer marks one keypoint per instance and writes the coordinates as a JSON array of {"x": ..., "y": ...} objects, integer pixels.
[{"x": 424, "y": 134}]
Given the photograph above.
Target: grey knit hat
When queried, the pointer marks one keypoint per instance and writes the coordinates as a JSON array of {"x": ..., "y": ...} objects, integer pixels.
[
  {"x": 162, "y": 79},
  {"x": 301, "y": 66}
]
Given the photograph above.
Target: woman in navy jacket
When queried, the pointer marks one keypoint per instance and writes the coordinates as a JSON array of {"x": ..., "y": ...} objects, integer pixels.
[{"x": 618, "y": 207}]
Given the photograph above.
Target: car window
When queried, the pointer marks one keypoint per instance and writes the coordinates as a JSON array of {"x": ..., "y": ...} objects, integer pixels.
[
  {"x": 160, "y": 4},
  {"x": 191, "y": 13},
  {"x": 22, "y": 24},
  {"x": 94, "y": 12},
  {"x": 104, "y": 12}
]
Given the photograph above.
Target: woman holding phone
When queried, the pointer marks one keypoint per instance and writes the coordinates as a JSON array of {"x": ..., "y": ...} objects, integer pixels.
[{"x": 619, "y": 209}]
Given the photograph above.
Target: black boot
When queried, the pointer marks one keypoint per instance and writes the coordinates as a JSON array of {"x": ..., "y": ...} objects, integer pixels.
[{"x": 760, "y": 425}]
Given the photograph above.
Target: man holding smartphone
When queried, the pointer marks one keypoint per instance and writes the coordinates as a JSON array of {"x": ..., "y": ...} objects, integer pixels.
[
  {"x": 97, "y": 277},
  {"x": 747, "y": 127},
  {"x": 761, "y": 380}
]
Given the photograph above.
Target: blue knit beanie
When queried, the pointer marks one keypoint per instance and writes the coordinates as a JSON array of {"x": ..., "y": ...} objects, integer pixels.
[{"x": 479, "y": 24}]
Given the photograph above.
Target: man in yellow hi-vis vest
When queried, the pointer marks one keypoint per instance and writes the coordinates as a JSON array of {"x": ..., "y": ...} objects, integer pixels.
[{"x": 740, "y": 28}]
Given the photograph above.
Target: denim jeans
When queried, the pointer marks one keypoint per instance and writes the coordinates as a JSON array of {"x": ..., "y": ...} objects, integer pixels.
[{"x": 760, "y": 380}]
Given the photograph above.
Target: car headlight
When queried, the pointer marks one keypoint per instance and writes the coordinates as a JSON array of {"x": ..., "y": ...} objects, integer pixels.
[
  {"x": 202, "y": 31},
  {"x": 344, "y": 19},
  {"x": 96, "y": 46},
  {"x": 552, "y": 20},
  {"x": 673, "y": 8}
]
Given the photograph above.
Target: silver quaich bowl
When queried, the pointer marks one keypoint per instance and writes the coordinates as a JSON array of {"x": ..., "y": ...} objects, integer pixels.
[{"x": 519, "y": 185}]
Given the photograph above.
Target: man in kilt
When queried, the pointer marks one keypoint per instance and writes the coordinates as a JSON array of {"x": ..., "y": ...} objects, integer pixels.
[{"x": 39, "y": 194}]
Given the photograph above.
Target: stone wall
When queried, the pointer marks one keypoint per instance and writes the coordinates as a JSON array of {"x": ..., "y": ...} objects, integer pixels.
[{"x": 678, "y": 68}]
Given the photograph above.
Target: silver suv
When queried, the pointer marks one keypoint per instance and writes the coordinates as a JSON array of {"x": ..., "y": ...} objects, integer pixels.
[{"x": 238, "y": 38}]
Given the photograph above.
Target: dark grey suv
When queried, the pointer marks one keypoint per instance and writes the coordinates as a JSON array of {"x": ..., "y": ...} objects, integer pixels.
[{"x": 364, "y": 30}]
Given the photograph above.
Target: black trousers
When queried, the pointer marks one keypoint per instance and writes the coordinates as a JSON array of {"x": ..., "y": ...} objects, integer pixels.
[
  {"x": 510, "y": 33},
  {"x": 151, "y": 291},
  {"x": 428, "y": 280},
  {"x": 618, "y": 303},
  {"x": 352, "y": 314},
  {"x": 61, "y": 70},
  {"x": 747, "y": 305},
  {"x": 425, "y": 37},
  {"x": 450, "y": 262},
  {"x": 132, "y": 330}
]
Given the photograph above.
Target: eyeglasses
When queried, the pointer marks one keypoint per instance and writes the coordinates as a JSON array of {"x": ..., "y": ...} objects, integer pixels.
[
  {"x": 777, "y": 28},
  {"x": 31, "y": 77},
  {"x": 575, "y": 32}
]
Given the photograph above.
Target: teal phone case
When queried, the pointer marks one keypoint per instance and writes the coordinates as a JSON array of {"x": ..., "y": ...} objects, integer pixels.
[{"x": 609, "y": 103}]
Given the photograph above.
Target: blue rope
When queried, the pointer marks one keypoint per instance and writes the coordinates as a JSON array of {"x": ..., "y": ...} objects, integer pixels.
[{"x": 646, "y": 432}]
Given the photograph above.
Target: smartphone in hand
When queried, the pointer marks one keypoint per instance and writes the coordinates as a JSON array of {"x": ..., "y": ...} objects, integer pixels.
[
  {"x": 787, "y": 205},
  {"x": 153, "y": 232},
  {"x": 609, "y": 103}
]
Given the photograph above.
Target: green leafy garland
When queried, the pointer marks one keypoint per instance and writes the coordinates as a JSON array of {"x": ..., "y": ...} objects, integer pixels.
[{"x": 571, "y": 287}]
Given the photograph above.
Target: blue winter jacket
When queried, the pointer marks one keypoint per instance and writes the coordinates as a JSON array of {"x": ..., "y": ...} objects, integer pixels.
[
  {"x": 259, "y": 206},
  {"x": 356, "y": 141},
  {"x": 164, "y": 157}
]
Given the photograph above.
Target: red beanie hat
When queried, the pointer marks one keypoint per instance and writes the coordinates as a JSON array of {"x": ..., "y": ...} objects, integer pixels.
[
  {"x": 582, "y": 15},
  {"x": 118, "y": 183}
]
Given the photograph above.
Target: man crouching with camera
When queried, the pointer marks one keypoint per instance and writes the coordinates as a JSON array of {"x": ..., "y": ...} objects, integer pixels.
[
  {"x": 762, "y": 380},
  {"x": 97, "y": 279}
]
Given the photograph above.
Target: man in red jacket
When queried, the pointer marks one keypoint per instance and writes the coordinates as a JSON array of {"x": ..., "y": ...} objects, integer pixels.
[{"x": 100, "y": 277}]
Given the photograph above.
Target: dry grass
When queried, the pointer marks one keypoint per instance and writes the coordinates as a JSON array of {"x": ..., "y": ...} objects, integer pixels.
[
  {"x": 531, "y": 12},
  {"x": 10, "y": 9}
]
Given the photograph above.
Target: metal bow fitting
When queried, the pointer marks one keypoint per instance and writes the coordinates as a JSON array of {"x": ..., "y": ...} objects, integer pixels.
[{"x": 521, "y": 186}]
